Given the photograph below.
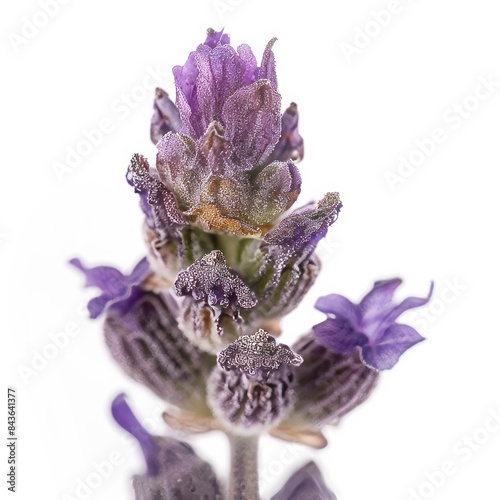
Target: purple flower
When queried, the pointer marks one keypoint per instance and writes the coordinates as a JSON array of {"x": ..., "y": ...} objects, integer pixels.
[
  {"x": 306, "y": 483},
  {"x": 216, "y": 77},
  {"x": 300, "y": 232},
  {"x": 210, "y": 279},
  {"x": 173, "y": 468},
  {"x": 157, "y": 203},
  {"x": 257, "y": 355},
  {"x": 291, "y": 144},
  {"x": 288, "y": 267},
  {"x": 165, "y": 117},
  {"x": 115, "y": 286},
  {"x": 225, "y": 150},
  {"x": 370, "y": 325},
  {"x": 253, "y": 387}
]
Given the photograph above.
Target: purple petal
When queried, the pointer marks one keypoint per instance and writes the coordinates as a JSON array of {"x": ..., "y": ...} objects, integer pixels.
[
  {"x": 97, "y": 305},
  {"x": 210, "y": 279},
  {"x": 217, "y": 150},
  {"x": 108, "y": 279},
  {"x": 276, "y": 187},
  {"x": 159, "y": 204},
  {"x": 215, "y": 37},
  {"x": 114, "y": 285},
  {"x": 291, "y": 144},
  {"x": 185, "y": 77},
  {"x": 127, "y": 420},
  {"x": 305, "y": 484},
  {"x": 247, "y": 56},
  {"x": 341, "y": 307},
  {"x": 252, "y": 119},
  {"x": 378, "y": 301},
  {"x": 165, "y": 117},
  {"x": 180, "y": 169},
  {"x": 408, "y": 303},
  {"x": 257, "y": 354},
  {"x": 301, "y": 231},
  {"x": 385, "y": 352},
  {"x": 339, "y": 336},
  {"x": 220, "y": 73},
  {"x": 186, "y": 111},
  {"x": 267, "y": 70}
]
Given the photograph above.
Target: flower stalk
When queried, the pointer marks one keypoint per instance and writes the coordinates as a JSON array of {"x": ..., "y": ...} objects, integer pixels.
[{"x": 244, "y": 477}]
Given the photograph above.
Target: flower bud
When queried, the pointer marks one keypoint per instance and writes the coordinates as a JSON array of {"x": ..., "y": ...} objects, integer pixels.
[
  {"x": 147, "y": 343},
  {"x": 254, "y": 387},
  {"x": 165, "y": 116},
  {"x": 329, "y": 385},
  {"x": 214, "y": 294}
]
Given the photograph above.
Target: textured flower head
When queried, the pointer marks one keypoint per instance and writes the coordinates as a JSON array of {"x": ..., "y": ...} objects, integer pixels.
[
  {"x": 253, "y": 387},
  {"x": 370, "y": 325},
  {"x": 257, "y": 355},
  {"x": 226, "y": 153}
]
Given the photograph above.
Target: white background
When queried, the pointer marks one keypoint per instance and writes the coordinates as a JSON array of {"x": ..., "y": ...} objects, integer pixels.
[{"x": 357, "y": 118}]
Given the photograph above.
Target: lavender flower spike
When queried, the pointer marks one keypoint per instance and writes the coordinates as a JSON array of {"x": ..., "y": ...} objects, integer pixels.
[{"x": 370, "y": 325}]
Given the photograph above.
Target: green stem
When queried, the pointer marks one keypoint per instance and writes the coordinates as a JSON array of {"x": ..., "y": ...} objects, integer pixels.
[{"x": 244, "y": 479}]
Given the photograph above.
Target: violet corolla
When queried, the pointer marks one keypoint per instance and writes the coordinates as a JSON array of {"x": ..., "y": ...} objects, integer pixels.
[
  {"x": 197, "y": 319},
  {"x": 370, "y": 325}
]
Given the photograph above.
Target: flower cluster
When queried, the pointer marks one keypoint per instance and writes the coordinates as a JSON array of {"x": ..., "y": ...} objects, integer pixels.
[{"x": 226, "y": 259}]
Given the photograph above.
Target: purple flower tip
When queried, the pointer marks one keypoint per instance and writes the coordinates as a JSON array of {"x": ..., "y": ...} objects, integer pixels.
[
  {"x": 215, "y": 37},
  {"x": 257, "y": 354},
  {"x": 211, "y": 280},
  {"x": 306, "y": 483},
  {"x": 225, "y": 150},
  {"x": 124, "y": 417},
  {"x": 370, "y": 325},
  {"x": 115, "y": 286}
]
